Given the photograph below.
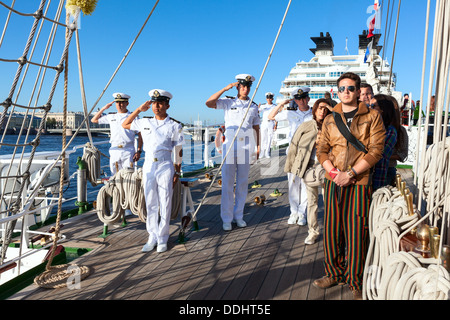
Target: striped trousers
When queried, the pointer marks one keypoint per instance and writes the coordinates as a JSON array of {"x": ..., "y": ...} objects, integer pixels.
[{"x": 346, "y": 232}]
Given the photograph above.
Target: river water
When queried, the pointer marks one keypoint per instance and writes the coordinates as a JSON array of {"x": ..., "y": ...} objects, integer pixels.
[{"x": 192, "y": 157}]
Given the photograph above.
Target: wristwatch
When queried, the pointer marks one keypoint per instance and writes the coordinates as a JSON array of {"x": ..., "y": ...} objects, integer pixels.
[{"x": 351, "y": 172}]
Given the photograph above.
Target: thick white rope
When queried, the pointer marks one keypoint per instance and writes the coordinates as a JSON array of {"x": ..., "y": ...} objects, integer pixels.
[
  {"x": 109, "y": 208},
  {"x": 91, "y": 155},
  {"x": 408, "y": 276},
  {"x": 388, "y": 217},
  {"x": 124, "y": 191}
]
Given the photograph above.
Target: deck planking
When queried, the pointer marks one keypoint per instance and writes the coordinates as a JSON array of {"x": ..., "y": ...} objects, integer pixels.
[{"x": 267, "y": 260}]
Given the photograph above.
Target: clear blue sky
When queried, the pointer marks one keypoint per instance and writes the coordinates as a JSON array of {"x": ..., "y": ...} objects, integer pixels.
[{"x": 193, "y": 48}]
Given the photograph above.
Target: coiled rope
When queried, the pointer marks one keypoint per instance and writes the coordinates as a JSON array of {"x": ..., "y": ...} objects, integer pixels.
[
  {"x": 124, "y": 191},
  {"x": 406, "y": 277},
  {"x": 91, "y": 155},
  {"x": 388, "y": 217},
  {"x": 109, "y": 203}
]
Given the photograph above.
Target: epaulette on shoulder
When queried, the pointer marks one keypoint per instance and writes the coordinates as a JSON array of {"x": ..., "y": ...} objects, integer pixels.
[
  {"x": 112, "y": 113},
  {"x": 176, "y": 121},
  {"x": 230, "y": 97},
  {"x": 148, "y": 117}
]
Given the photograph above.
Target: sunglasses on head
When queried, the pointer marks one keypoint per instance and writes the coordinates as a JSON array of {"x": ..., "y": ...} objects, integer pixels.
[{"x": 349, "y": 88}]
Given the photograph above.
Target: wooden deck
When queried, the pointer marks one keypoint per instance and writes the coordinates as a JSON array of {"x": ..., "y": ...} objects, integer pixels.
[{"x": 267, "y": 260}]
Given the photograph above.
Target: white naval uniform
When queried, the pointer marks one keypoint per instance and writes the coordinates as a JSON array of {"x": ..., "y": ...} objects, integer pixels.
[
  {"x": 122, "y": 141},
  {"x": 297, "y": 189},
  {"x": 237, "y": 163},
  {"x": 266, "y": 129},
  {"x": 160, "y": 137}
]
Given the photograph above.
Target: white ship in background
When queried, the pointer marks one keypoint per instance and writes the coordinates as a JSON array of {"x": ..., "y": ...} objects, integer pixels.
[{"x": 323, "y": 70}]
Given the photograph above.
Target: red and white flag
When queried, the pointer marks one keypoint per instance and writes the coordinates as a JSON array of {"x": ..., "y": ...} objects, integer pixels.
[{"x": 375, "y": 21}]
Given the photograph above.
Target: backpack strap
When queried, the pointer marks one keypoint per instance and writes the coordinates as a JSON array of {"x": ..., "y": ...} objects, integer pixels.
[{"x": 347, "y": 134}]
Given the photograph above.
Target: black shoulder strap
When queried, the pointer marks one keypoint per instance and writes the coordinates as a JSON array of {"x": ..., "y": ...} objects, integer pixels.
[{"x": 346, "y": 133}]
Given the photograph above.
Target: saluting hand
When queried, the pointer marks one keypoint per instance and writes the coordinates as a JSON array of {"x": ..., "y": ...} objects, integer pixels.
[
  {"x": 108, "y": 105},
  {"x": 145, "y": 106},
  {"x": 231, "y": 85}
]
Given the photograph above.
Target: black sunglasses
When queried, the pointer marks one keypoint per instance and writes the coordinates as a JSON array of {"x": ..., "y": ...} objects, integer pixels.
[{"x": 349, "y": 88}]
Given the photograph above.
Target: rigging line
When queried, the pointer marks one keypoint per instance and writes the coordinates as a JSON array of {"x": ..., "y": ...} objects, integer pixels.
[
  {"x": 19, "y": 202},
  {"x": 83, "y": 93},
  {"x": 112, "y": 77},
  {"x": 384, "y": 39},
  {"x": 248, "y": 107},
  {"x": 33, "y": 194},
  {"x": 19, "y": 69},
  {"x": 47, "y": 52},
  {"x": 20, "y": 86},
  {"x": 393, "y": 49},
  {"x": 23, "y": 61},
  {"x": 6, "y": 24},
  {"x": 430, "y": 88},
  {"x": 125, "y": 56},
  {"x": 424, "y": 59},
  {"x": 38, "y": 14},
  {"x": 63, "y": 163},
  {"x": 442, "y": 64},
  {"x": 8, "y": 104}
]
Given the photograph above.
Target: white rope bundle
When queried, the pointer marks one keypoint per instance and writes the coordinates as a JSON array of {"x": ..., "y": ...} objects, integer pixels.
[
  {"x": 125, "y": 191},
  {"x": 389, "y": 216},
  {"x": 91, "y": 155},
  {"x": 108, "y": 198},
  {"x": 136, "y": 195},
  {"x": 406, "y": 278},
  {"x": 436, "y": 172}
]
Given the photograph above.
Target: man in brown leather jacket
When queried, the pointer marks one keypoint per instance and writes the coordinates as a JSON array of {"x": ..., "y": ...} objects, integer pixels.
[{"x": 347, "y": 188}]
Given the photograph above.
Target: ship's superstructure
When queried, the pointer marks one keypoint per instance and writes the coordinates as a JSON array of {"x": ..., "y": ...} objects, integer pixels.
[{"x": 322, "y": 71}]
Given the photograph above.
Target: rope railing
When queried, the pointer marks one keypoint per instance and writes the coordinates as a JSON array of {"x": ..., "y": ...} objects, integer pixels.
[
  {"x": 38, "y": 14},
  {"x": 15, "y": 207}
]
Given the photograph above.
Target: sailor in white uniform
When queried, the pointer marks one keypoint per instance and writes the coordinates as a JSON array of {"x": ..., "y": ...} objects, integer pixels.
[
  {"x": 295, "y": 113},
  {"x": 267, "y": 126},
  {"x": 163, "y": 140},
  {"x": 122, "y": 151},
  {"x": 237, "y": 163}
]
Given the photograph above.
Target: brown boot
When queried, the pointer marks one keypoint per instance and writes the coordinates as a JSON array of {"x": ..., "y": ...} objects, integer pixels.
[
  {"x": 357, "y": 294},
  {"x": 325, "y": 282}
]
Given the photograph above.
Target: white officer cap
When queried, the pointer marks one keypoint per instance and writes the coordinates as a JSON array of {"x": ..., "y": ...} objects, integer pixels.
[
  {"x": 269, "y": 94},
  {"x": 245, "y": 79},
  {"x": 160, "y": 95},
  {"x": 301, "y": 92},
  {"x": 119, "y": 96}
]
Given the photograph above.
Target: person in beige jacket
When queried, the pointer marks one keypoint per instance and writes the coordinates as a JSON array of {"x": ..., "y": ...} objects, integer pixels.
[{"x": 302, "y": 155}]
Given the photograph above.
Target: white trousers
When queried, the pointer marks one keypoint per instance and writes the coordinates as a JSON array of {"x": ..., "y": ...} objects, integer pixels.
[
  {"x": 235, "y": 168},
  {"x": 158, "y": 189},
  {"x": 123, "y": 157},
  {"x": 298, "y": 198},
  {"x": 266, "y": 140}
]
